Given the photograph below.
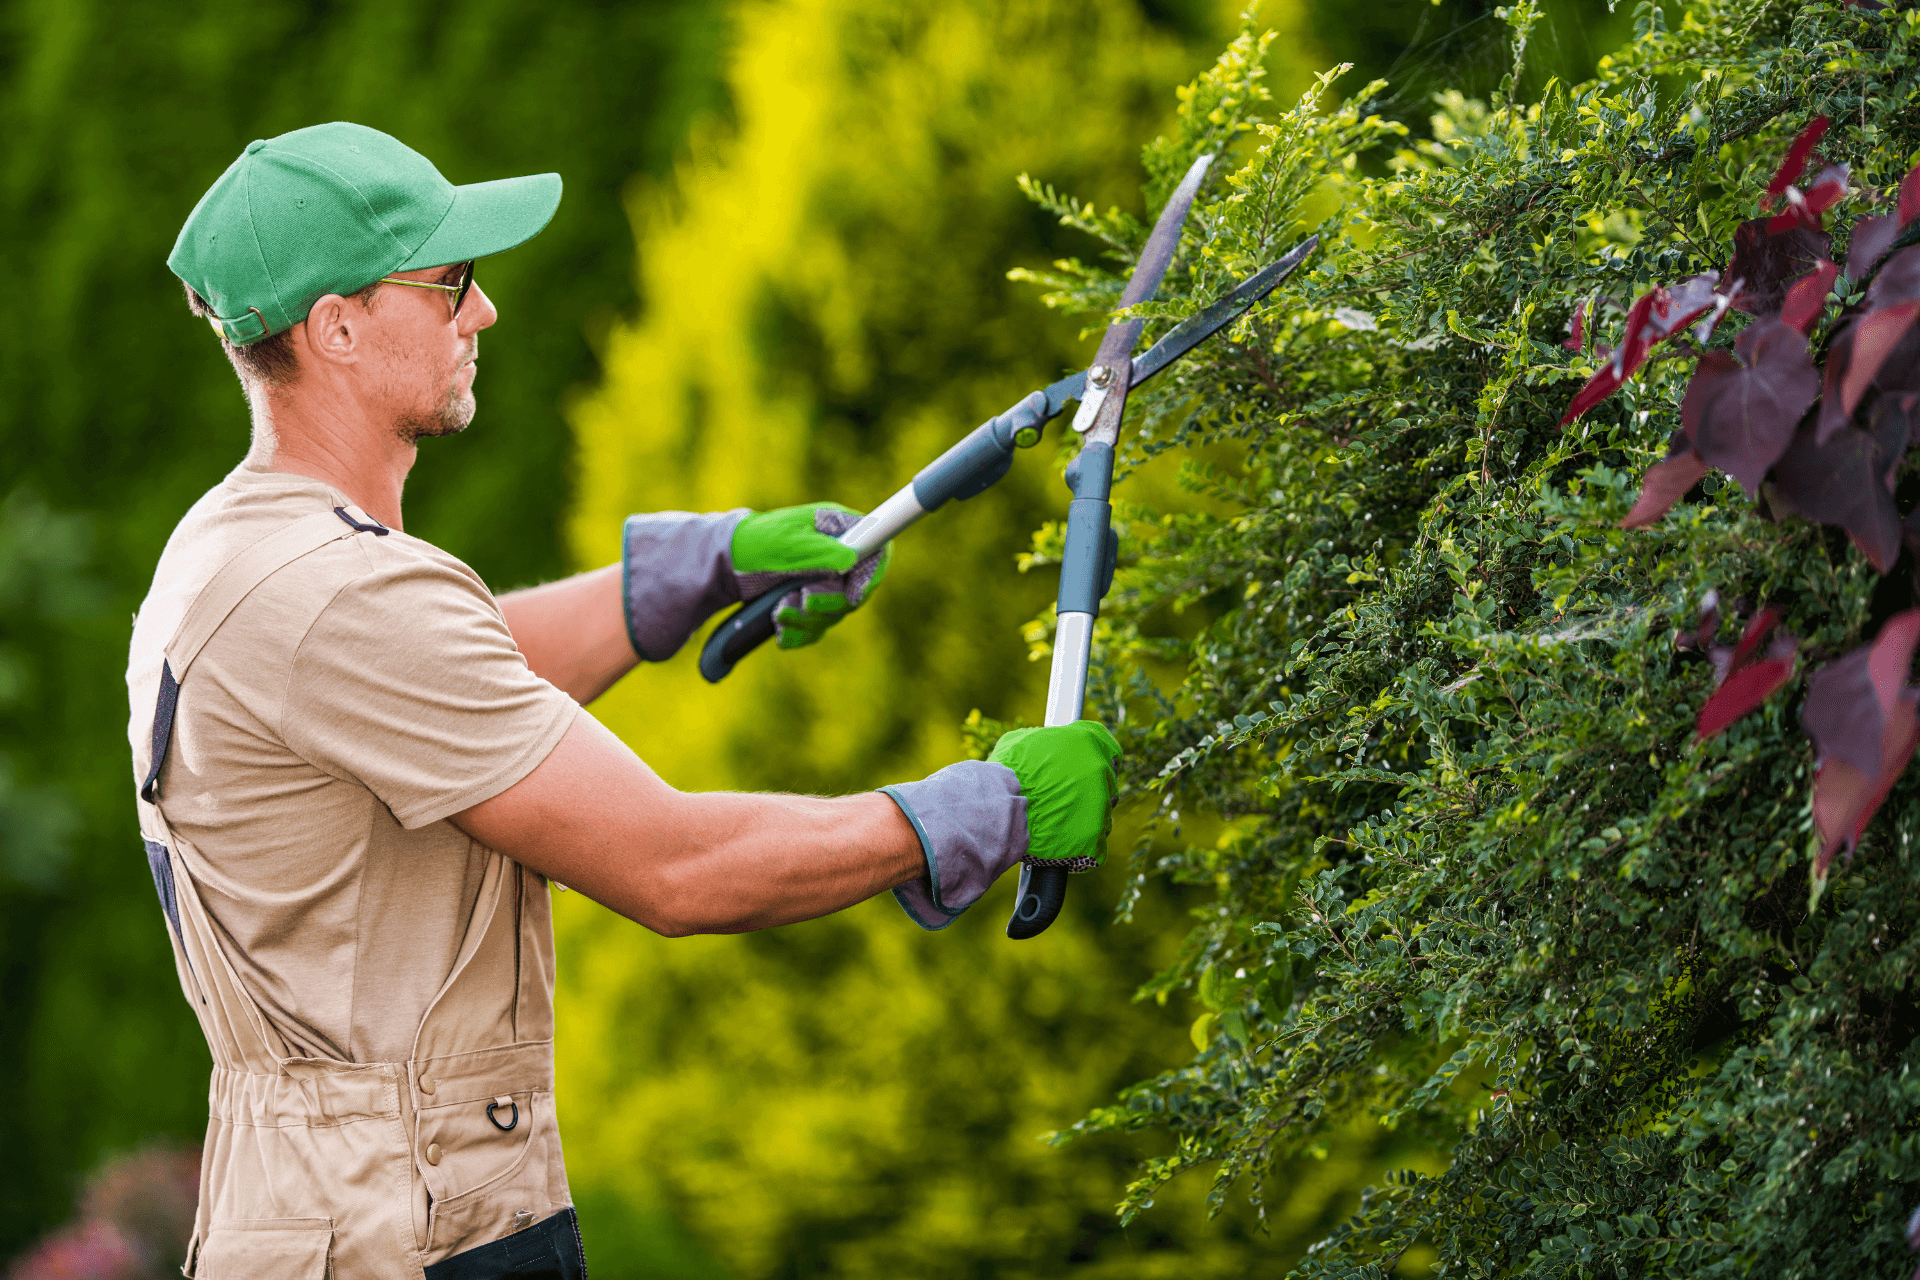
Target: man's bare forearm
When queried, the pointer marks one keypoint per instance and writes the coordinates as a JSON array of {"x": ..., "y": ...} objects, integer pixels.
[
  {"x": 595, "y": 818},
  {"x": 574, "y": 632},
  {"x": 769, "y": 860}
]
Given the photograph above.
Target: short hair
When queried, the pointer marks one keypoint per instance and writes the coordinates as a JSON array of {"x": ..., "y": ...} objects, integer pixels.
[{"x": 270, "y": 361}]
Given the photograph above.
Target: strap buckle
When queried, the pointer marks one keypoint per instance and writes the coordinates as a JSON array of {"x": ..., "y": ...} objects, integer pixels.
[
  {"x": 372, "y": 526},
  {"x": 240, "y": 330}
]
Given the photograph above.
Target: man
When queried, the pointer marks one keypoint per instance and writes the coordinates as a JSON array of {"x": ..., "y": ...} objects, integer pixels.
[{"x": 359, "y": 772}]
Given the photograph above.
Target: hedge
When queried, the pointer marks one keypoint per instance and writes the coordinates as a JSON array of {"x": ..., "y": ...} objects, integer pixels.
[{"x": 1486, "y": 872}]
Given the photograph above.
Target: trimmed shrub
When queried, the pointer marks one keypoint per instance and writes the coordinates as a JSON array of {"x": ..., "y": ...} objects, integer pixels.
[{"x": 1481, "y": 871}]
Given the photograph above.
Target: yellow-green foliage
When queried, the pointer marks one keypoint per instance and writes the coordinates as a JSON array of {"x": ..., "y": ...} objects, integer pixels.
[{"x": 826, "y": 308}]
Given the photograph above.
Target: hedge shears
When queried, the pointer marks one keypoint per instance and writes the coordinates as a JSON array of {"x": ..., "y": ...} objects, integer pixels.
[{"x": 985, "y": 455}]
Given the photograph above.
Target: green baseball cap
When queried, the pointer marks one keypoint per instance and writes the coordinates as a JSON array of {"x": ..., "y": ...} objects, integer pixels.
[{"x": 331, "y": 209}]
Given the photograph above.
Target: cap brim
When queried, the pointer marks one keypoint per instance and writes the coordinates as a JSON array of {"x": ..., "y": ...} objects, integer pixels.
[{"x": 488, "y": 218}]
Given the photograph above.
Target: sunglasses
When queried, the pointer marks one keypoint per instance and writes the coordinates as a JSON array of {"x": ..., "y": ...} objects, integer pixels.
[{"x": 459, "y": 291}]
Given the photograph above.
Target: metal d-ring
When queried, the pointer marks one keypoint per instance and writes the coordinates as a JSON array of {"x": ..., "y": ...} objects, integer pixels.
[{"x": 508, "y": 1126}]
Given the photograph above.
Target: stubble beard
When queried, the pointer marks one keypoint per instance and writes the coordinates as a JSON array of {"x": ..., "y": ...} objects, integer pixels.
[{"x": 453, "y": 415}]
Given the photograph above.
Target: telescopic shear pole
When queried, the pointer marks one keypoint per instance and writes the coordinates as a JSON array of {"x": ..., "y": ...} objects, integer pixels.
[{"x": 978, "y": 461}]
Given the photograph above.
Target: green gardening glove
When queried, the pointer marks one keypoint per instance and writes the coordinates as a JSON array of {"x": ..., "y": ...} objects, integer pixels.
[
  {"x": 1067, "y": 779},
  {"x": 800, "y": 547}
]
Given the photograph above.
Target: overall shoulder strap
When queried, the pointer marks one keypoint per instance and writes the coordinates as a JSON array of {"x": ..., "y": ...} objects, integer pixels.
[{"x": 232, "y": 583}]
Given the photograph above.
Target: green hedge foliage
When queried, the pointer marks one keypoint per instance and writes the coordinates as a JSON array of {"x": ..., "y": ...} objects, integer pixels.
[
  {"x": 1474, "y": 876},
  {"x": 826, "y": 312}
]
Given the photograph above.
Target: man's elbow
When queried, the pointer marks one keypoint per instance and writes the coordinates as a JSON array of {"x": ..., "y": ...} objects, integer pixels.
[{"x": 680, "y": 904}]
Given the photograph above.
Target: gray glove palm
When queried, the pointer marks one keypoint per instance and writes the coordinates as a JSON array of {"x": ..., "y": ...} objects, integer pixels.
[
  {"x": 680, "y": 568},
  {"x": 1043, "y": 796}
]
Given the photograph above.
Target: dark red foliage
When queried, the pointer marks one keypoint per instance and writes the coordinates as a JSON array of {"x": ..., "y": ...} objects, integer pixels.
[
  {"x": 1874, "y": 339},
  {"x": 1741, "y": 409},
  {"x": 1654, "y": 317},
  {"x": 1747, "y": 412},
  {"x": 1843, "y": 482},
  {"x": 1746, "y": 676},
  {"x": 1898, "y": 281},
  {"x": 1858, "y": 356},
  {"x": 1579, "y": 325},
  {"x": 1833, "y": 372},
  {"x": 1860, "y": 712},
  {"x": 1665, "y": 483},
  {"x": 1900, "y": 374},
  {"x": 1805, "y": 207},
  {"x": 1871, "y": 239},
  {"x": 1766, "y": 262},
  {"x": 1806, "y": 299},
  {"x": 1796, "y": 159},
  {"x": 1892, "y": 422}
]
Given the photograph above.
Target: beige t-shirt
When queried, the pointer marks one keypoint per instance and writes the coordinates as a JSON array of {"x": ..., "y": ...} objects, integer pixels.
[{"x": 347, "y": 706}]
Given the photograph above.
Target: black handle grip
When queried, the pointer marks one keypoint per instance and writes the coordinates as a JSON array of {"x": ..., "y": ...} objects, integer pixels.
[
  {"x": 1043, "y": 891},
  {"x": 750, "y": 627}
]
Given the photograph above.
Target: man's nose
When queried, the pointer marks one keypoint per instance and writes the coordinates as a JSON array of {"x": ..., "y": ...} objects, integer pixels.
[{"x": 478, "y": 312}]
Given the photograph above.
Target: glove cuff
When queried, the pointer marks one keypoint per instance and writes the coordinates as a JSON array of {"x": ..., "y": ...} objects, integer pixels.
[
  {"x": 675, "y": 573},
  {"x": 972, "y": 824}
]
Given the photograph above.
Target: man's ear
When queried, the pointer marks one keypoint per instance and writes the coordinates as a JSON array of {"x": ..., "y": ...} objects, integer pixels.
[{"x": 333, "y": 330}]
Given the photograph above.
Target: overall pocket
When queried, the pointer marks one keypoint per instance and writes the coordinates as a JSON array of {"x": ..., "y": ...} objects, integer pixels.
[
  {"x": 503, "y": 1181},
  {"x": 249, "y": 1248}
]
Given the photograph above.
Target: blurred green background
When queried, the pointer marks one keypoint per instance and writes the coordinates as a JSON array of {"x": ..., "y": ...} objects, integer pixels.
[{"x": 778, "y": 274}]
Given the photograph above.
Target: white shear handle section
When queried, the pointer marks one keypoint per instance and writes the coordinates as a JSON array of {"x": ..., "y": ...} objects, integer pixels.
[
  {"x": 1067, "y": 686},
  {"x": 886, "y": 520}
]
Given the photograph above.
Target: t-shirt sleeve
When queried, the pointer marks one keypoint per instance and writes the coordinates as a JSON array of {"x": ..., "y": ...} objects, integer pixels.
[{"x": 410, "y": 684}]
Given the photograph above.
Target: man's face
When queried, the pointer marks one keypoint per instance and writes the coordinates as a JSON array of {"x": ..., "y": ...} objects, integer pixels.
[{"x": 424, "y": 356}]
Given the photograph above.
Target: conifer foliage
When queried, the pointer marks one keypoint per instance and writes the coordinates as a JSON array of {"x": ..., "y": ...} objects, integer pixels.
[{"x": 1488, "y": 679}]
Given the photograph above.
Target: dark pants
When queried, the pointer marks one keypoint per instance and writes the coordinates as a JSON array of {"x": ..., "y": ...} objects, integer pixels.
[{"x": 548, "y": 1250}]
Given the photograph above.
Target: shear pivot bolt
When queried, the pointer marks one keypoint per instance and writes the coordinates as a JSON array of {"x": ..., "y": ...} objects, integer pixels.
[{"x": 1100, "y": 376}]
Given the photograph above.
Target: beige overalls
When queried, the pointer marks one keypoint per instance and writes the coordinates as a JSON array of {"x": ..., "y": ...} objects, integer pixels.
[{"x": 377, "y": 1170}]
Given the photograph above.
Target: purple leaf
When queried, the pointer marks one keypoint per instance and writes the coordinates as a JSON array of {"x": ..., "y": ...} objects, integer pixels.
[
  {"x": 1898, "y": 281},
  {"x": 1891, "y": 422},
  {"x": 1747, "y": 651},
  {"x": 1845, "y": 800},
  {"x": 1875, "y": 337},
  {"x": 1900, "y": 374},
  {"x": 1808, "y": 297},
  {"x": 1841, "y": 714},
  {"x": 1746, "y": 679},
  {"x": 1740, "y": 410},
  {"x": 1860, "y": 714},
  {"x": 1766, "y": 262},
  {"x": 1871, "y": 237},
  {"x": 1877, "y": 349},
  {"x": 1843, "y": 483},
  {"x": 1578, "y": 326},
  {"x": 1907, "y": 208},
  {"x": 1796, "y": 159},
  {"x": 1833, "y": 372},
  {"x": 1654, "y": 317},
  {"x": 1805, "y": 207},
  {"x": 1665, "y": 483},
  {"x": 1743, "y": 691}
]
